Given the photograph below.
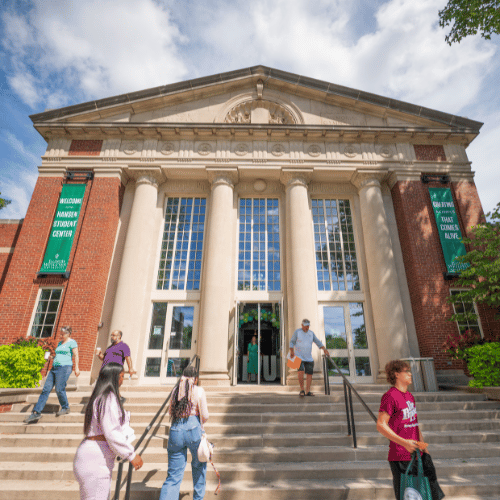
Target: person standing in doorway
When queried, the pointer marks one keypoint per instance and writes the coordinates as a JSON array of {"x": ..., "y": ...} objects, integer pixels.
[
  {"x": 117, "y": 352},
  {"x": 301, "y": 345},
  {"x": 58, "y": 376},
  {"x": 253, "y": 357}
]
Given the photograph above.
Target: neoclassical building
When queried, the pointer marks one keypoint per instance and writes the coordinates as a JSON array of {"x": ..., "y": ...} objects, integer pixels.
[{"x": 197, "y": 215}]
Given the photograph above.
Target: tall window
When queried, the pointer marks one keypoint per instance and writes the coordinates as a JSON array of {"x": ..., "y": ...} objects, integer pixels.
[
  {"x": 259, "y": 245},
  {"x": 336, "y": 260},
  {"x": 469, "y": 320},
  {"x": 46, "y": 312},
  {"x": 182, "y": 246}
]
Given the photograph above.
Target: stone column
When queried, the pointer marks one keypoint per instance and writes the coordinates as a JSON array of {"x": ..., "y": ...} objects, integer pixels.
[
  {"x": 134, "y": 284},
  {"x": 300, "y": 261},
  {"x": 217, "y": 279},
  {"x": 388, "y": 314}
]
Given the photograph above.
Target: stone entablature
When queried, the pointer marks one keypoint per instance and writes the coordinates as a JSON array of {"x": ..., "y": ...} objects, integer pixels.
[{"x": 248, "y": 150}]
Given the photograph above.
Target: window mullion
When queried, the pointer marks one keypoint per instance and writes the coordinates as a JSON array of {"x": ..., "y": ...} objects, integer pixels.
[
  {"x": 174, "y": 246},
  {"x": 342, "y": 245},
  {"x": 323, "y": 207},
  {"x": 189, "y": 245}
]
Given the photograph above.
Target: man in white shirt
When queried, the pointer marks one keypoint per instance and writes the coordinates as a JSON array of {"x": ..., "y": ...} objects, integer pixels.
[{"x": 301, "y": 345}]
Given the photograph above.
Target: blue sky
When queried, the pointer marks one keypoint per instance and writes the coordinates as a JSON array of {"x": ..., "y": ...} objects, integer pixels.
[{"x": 55, "y": 53}]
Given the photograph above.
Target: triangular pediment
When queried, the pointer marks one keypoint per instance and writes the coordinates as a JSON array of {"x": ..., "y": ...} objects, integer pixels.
[{"x": 255, "y": 96}]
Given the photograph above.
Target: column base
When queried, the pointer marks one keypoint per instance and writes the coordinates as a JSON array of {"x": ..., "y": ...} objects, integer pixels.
[{"x": 218, "y": 379}]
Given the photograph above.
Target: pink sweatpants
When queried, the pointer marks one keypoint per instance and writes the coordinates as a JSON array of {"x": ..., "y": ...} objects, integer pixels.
[{"x": 92, "y": 467}]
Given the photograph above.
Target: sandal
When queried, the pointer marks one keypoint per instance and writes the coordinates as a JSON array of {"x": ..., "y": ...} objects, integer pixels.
[
  {"x": 302, "y": 393},
  {"x": 309, "y": 394}
]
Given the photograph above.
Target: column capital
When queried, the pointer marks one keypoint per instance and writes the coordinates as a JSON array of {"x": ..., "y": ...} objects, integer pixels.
[
  {"x": 217, "y": 175},
  {"x": 152, "y": 175},
  {"x": 296, "y": 177},
  {"x": 367, "y": 178}
]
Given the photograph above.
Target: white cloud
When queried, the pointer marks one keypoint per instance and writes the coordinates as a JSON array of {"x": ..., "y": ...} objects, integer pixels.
[
  {"x": 19, "y": 191},
  {"x": 91, "y": 49},
  {"x": 483, "y": 152}
]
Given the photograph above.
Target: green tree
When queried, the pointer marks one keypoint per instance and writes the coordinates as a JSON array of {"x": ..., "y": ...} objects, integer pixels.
[
  {"x": 469, "y": 17},
  {"x": 482, "y": 278},
  {"x": 4, "y": 202}
]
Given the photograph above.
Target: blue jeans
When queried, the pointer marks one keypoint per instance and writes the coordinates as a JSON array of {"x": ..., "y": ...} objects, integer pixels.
[
  {"x": 184, "y": 433},
  {"x": 58, "y": 376}
]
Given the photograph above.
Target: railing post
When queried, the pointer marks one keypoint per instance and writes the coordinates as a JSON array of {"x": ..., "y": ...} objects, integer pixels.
[
  {"x": 129, "y": 481},
  {"x": 118, "y": 481},
  {"x": 346, "y": 400},
  {"x": 325, "y": 375},
  {"x": 352, "y": 420}
]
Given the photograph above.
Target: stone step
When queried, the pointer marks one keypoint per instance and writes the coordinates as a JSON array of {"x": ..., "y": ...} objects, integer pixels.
[
  {"x": 299, "y": 454},
  {"x": 266, "y": 440},
  {"x": 157, "y": 399},
  {"x": 242, "y": 419},
  {"x": 456, "y": 487},
  {"x": 137, "y": 406},
  {"x": 42, "y": 471},
  {"x": 64, "y": 426}
]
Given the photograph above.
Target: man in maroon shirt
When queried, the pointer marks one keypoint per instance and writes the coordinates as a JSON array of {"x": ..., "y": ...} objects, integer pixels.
[
  {"x": 117, "y": 352},
  {"x": 398, "y": 422}
]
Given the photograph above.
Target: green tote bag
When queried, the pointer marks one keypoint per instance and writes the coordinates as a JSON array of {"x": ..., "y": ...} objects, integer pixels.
[{"x": 415, "y": 487}]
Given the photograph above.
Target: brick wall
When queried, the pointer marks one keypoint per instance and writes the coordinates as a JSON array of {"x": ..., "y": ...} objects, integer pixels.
[
  {"x": 9, "y": 233},
  {"x": 424, "y": 261},
  {"x": 90, "y": 260}
]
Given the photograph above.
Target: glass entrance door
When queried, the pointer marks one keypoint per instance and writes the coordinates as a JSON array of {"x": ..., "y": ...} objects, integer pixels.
[
  {"x": 258, "y": 361},
  {"x": 171, "y": 342},
  {"x": 346, "y": 340}
]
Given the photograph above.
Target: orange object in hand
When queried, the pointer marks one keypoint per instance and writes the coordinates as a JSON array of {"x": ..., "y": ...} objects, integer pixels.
[
  {"x": 421, "y": 445},
  {"x": 294, "y": 363}
]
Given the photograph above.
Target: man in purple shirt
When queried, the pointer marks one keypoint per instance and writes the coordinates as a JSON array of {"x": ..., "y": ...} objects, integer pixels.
[{"x": 117, "y": 352}]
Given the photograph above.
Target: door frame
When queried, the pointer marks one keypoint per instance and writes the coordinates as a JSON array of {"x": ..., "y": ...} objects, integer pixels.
[
  {"x": 165, "y": 352},
  {"x": 350, "y": 353}
]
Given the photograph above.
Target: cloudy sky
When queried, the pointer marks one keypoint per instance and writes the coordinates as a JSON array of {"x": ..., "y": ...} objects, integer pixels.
[{"x": 55, "y": 53}]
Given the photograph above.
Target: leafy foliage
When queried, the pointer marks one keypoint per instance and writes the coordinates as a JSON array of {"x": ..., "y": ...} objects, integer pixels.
[
  {"x": 4, "y": 202},
  {"x": 484, "y": 365},
  {"x": 482, "y": 278},
  {"x": 468, "y": 17},
  {"x": 21, "y": 364},
  {"x": 456, "y": 345}
]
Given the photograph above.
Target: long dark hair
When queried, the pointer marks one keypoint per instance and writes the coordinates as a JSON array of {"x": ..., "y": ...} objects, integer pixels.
[
  {"x": 106, "y": 384},
  {"x": 182, "y": 408}
]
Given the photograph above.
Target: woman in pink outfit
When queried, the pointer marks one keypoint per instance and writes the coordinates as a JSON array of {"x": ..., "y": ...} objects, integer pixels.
[{"x": 107, "y": 435}]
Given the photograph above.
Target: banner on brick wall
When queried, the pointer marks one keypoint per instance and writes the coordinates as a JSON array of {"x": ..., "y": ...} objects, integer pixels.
[
  {"x": 448, "y": 229},
  {"x": 63, "y": 229}
]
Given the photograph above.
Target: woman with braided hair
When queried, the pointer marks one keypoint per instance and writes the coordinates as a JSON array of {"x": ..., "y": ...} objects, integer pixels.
[{"x": 188, "y": 412}]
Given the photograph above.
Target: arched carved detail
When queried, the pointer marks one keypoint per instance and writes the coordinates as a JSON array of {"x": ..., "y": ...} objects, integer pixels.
[{"x": 239, "y": 109}]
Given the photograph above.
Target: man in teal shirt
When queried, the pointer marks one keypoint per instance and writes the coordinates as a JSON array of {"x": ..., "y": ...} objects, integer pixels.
[{"x": 301, "y": 346}]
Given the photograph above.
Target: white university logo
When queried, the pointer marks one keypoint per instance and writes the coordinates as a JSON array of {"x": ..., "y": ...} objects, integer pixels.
[
  {"x": 410, "y": 412},
  {"x": 412, "y": 494}
]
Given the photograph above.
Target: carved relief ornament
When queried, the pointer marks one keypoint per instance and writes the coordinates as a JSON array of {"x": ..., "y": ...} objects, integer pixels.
[{"x": 242, "y": 113}]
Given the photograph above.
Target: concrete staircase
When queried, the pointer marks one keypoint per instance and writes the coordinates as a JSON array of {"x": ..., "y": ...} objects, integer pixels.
[{"x": 270, "y": 444}]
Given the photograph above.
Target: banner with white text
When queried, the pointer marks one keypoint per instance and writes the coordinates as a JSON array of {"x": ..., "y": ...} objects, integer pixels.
[
  {"x": 63, "y": 229},
  {"x": 448, "y": 229}
]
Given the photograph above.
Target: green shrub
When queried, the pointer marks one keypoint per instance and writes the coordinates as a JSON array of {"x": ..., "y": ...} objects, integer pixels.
[
  {"x": 21, "y": 365},
  {"x": 484, "y": 365}
]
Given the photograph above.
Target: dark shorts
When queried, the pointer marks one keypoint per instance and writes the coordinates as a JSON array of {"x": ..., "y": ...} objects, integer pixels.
[{"x": 307, "y": 366}]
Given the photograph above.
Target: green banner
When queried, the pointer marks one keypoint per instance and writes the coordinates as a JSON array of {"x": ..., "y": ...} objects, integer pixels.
[
  {"x": 448, "y": 228},
  {"x": 63, "y": 229}
]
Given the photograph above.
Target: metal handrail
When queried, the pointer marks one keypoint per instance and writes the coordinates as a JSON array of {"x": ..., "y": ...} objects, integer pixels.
[
  {"x": 348, "y": 390},
  {"x": 116, "y": 496}
]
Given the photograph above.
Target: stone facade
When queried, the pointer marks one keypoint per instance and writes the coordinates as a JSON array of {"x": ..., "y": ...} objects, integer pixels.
[{"x": 258, "y": 134}]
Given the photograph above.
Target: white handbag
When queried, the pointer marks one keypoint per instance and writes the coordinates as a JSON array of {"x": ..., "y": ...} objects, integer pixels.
[{"x": 205, "y": 449}]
